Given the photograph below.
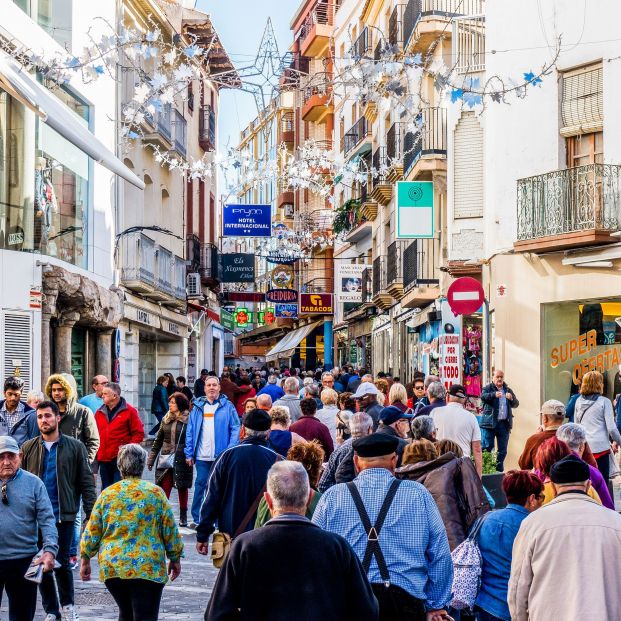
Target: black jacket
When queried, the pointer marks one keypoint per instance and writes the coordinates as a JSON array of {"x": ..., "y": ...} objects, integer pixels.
[
  {"x": 159, "y": 402},
  {"x": 389, "y": 431},
  {"x": 237, "y": 477},
  {"x": 74, "y": 474},
  {"x": 291, "y": 570},
  {"x": 491, "y": 403}
]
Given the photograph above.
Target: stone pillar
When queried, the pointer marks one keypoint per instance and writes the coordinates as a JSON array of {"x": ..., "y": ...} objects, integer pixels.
[
  {"x": 104, "y": 352},
  {"x": 46, "y": 355},
  {"x": 62, "y": 342}
]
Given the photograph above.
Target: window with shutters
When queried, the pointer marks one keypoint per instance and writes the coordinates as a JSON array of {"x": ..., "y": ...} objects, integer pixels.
[
  {"x": 16, "y": 346},
  {"x": 468, "y": 168},
  {"x": 582, "y": 101}
]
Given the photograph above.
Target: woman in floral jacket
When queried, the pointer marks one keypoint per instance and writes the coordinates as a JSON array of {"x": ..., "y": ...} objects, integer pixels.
[{"x": 133, "y": 529}]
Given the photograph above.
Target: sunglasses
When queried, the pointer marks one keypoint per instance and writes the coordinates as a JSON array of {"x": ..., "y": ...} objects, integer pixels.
[
  {"x": 5, "y": 498},
  {"x": 419, "y": 388}
]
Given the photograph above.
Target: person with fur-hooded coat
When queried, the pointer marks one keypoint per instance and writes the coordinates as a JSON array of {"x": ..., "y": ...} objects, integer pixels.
[{"x": 77, "y": 421}]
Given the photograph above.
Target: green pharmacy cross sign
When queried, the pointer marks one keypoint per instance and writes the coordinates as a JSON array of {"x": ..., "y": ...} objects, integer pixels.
[{"x": 415, "y": 217}]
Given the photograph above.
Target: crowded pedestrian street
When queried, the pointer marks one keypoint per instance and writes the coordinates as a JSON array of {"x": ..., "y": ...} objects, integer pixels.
[{"x": 311, "y": 309}]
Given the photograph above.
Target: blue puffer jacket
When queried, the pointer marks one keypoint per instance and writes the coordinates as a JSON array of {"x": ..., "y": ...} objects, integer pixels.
[
  {"x": 26, "y": 427},
  {"x": 226, "y": 427}
]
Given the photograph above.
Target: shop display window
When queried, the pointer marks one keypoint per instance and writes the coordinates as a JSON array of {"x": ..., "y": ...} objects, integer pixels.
[{"x": 581, "y": 336}]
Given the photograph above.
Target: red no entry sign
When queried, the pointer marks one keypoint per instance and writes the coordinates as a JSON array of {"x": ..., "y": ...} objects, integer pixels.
[{"x": 465, "y": 296}]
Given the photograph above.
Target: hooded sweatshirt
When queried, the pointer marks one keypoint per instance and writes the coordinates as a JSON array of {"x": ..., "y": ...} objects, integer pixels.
[{"x": 77, "y": 421}]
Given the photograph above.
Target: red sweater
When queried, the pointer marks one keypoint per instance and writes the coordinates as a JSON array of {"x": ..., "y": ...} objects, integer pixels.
[
  {"x": 527, "y": 458},
  {"x": 124, "y": 428},
  {"x": 311, "y": 428}
]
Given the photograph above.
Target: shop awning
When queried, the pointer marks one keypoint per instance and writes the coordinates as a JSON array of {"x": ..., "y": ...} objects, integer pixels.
[
  {"x": 291, "y": 341},
  {"x": 21, "y": 85}
]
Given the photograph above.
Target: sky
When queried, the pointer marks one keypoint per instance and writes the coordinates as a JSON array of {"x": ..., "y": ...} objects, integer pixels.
[{"x": 240, "y": 24}]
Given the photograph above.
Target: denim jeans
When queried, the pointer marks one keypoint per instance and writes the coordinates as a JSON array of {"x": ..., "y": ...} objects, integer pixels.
[
  {"x": 77, "y": 532},
  {"x": 499, "y": 435},
  {"x": 109, "y": 473},
  {"x": 203, "y": 468},
  {"x": 64, "y": 575}
]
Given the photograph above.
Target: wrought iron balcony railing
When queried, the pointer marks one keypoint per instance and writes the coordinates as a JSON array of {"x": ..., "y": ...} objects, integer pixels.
[
  {"x": 419, "y": 264},
  {"x": 321, "y": 14},
  {"x": 367, "y": 285},
  {"x": 207, "y": 128},
  {"x": 394, "y": 263},
  {"x": 395, "y": 26},
  {"x": 430, "y": 139},
  {"x": 380, "y": 275},
  {"x": 380, "y": 166},
  {"x": 362, "y": 46},
  {"x": 566, "y": 201},
  {"x": 394, "y": 146},
  {"x": 209, "y": 269},
  {"x": 352, "y": 138}
]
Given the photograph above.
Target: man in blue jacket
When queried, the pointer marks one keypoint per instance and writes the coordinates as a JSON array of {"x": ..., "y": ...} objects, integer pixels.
[
  {"x": 17, "y": 418},
  {"x": 237, "y": 482},
  {"x": 213, "y": 427},
  {"x": 272, "y": 388}
]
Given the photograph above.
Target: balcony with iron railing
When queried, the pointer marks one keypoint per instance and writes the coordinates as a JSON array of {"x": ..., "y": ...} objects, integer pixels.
[
  {"x": 382, "y": 187},
  {"x": 207, "y": 128},
  {"x": 425, "y": 20},
  {"x": 395, "y": 27},
  {"x": 159, "y": 127},
  {"x": 394, "y": 151},
  {"x": 298, "y": 67},
  {"x": 569, "y": 208},
  {"x": 468, "y": 42},
  {"x": 180, "y": 139},
  {"x": 314, "y": 35},
  {"x": 209, "y": 268},
  {"x": 428, "y": 142},
  {"x": 317, "y": 98},
  {"x": 286, "y": 128},
  {"x": 137, "y": 261},
  {"x": 357, "y": 136},
  {"x": 394, "y": 268},
  {"x": 421, "y": 280},
  {"x": 362, "y": 46},
  {"x": 163, "y": 275},
  {"x": 381, "y": 297}
]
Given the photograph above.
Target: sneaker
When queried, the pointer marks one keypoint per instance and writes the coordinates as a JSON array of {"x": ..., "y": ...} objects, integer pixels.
[
  {"x": 69, "y": 613},
  {"x": 50, "y": 617},
  {"x": 193, "y": 525},
  {"x": 73, "y": 562}
]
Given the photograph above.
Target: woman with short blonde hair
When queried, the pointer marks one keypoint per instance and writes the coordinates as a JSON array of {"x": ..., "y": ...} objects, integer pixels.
[{"x": 398, "y": 397}]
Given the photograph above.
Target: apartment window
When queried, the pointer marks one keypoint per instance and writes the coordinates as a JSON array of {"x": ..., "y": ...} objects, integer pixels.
[
  {"x": 54, "y": 16},
  {"x": 468, "y": 168},
  {"x": 585, "y": 149},
  {"x": 582, "y": 102},
  {"x": 191, "y": 96}
]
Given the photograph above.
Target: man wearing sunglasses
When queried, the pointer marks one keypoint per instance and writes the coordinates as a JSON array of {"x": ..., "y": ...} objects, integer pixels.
[{"x": 25, "y": 509}]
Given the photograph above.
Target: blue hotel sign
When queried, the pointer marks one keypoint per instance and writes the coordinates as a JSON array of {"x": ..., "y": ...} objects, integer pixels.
[{"x": 247, "y": 221}]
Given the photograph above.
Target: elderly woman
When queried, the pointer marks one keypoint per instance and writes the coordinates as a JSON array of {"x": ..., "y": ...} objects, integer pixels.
[
  {"x": 594, "y": 412},
  {"x": 327, "y": 414},
  {"x": 310, "y": 455},
  {"x": 34, "y": 397},
  {"x": 398, "y": 397},
  {"x": 347, "y": 406},
  {"x": 551, "y": 451},
  {"x": 132, "y": 528},
  {"x": 524, "y": 492},
  {"x": 280, "y": 438},
  {"x": 423, "y": 427},
  {"x": 574, "y": 436},
  {"x": 172, "y": 469}
]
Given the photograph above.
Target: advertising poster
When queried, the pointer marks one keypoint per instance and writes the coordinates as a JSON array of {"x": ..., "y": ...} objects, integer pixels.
[
  {"x": 237, "y": 267},
  {"x": 349, "y": 282},
  {"x": 286, "y": 311},
  {"x": 450, "y": 347}
]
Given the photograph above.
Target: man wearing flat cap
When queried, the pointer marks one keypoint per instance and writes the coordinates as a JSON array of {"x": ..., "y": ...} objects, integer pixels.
[
  {"x": 237, "y": 482},
  {"x": 395, "y": 528},
  {"x": 572, "y": 541}
]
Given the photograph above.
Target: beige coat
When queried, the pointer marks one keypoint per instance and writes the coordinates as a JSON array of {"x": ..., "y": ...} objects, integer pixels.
[{"x": 567, "y": 563}]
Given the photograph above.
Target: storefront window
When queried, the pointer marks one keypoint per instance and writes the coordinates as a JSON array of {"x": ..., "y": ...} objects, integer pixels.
[{"x": 581, "y": 336}]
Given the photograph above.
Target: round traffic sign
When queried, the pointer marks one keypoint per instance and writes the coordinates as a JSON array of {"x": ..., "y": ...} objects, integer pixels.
[{"x": 465, "y": 296}]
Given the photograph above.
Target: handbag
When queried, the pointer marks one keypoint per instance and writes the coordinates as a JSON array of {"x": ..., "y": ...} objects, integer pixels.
[
  {"x": 614, "y": 471},
  {"x": 165, "y": 462},
  {"x": 221, "y": 542},
  {"x": 467, "y": 562}
]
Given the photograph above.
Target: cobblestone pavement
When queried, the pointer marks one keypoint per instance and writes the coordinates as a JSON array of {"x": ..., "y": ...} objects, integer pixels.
[{"x": 186, "y": 598}]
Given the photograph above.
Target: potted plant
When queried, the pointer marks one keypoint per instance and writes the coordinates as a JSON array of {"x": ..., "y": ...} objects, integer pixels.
[{"x": 492, "y": 479}]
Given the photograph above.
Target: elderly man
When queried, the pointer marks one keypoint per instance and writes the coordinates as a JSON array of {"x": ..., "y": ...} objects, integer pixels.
[
  {"x": 25, "y": 512},
  {"x": 327, "y": 380},
  {"x": 499, "y": 401},
  {"x": 264, "y": 402},
  {"x": 252, "y": 583},
  {"x": 272, "y": 388},
  {"x": 552, "y": 417},
  {"x": 237, "y": 482},
  {"x": 396, "y": 530},
  {"x": 17, "y": 418},
  {"x": 118, "y": 424},
  {"x": 572, "y": 541},
  {"x": 366, "y": 394},
  {"x": 213, "y": 427},
  {"x": 574, "y": 436},
  {"x": 93, "y": 401},
  {"x": 395, "y": 423},
  {"x": 291, "y": 398},
  {"x": 340, "y": 466},
  {"x": 454, "y": 422},
  {"x": 62, "y": 464},
  {"x": 436, "y": 394}
]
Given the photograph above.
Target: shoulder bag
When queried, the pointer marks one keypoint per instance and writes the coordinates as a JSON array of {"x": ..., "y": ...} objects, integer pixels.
[{"x": 165, "y": 462}]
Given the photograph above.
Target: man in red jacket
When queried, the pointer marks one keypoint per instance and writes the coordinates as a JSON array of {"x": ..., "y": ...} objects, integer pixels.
[{"x": 118, "y": 424}]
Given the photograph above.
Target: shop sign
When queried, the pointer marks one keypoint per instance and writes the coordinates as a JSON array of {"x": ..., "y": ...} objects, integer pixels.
[
  {"x": 237, "y": 267},
  {"x": 286, "y": 311},
  {"x": 281, "y": 296},
  {"x": 449, "y": 343},
  {"x": 141, "y": 316},
  {"x": 415, "y": 214},
  {"x": 353, "y": 353},
  {"x": 242, "y": 317},
  {"x": 282, "y": 276},
  {"x": 35, "y": 298},
  {"x": 227, "y": 320},
  {"x": 269, "y": 317},
  {"x": 247, "y": 220},
  {"x": 349, "y": 282},
  {"x": 171, "y": 327},
  {"x": 465, "y": 296},
  {"x": 316, "y": 303}
]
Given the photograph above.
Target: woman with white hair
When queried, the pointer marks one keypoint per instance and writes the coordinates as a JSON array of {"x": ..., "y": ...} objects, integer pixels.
[
  {"x": 327, "y": 414},
  {"x": 132, "y": 528},
  {"x": 575, "y": 437}
]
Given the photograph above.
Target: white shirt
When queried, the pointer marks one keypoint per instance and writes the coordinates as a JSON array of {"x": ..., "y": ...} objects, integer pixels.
[
  {"x": 327, "y": 415},
  {"x": 454, "y": 422},
  {"x": 207, "y": 447}
]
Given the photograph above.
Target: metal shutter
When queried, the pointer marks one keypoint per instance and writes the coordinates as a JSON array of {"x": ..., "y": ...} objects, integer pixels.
[
  {"x": 468, "y": 167},
  {"x": 17, "y": 346},
  {"x": 582, "y": 103}
]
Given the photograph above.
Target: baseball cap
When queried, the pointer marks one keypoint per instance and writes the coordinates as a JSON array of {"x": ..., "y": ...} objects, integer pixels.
[
  {"x": 457, "y": 390},
  {"x": 8, "y": 445},
  {"x": 366, "y": 388}
]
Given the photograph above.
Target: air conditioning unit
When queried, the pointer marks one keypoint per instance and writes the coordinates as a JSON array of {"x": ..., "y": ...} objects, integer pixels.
[
  {"x": 193, "y": 285},
  {"x": 289, "y": 210}
]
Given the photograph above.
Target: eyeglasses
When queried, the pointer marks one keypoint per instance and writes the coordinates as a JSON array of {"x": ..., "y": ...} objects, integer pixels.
[
  {"x": 5, "y": 498},
  {"x": 419, "y": 388}
]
